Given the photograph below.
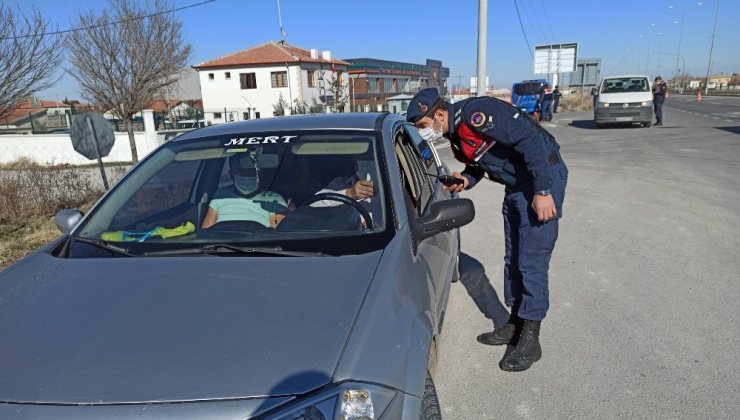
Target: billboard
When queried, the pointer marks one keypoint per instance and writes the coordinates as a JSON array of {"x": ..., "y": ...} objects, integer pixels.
[{"x": 555, "y": 58}]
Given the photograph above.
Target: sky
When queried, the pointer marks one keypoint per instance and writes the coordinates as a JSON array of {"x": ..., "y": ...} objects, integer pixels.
[{"x": 630, "y": 36}]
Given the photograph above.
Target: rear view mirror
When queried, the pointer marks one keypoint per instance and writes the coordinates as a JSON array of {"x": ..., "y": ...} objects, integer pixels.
[
  {"x": 67, "y": 219},
  {"x": 443, "y": 216},
  {"x": 594, "y": 91}
]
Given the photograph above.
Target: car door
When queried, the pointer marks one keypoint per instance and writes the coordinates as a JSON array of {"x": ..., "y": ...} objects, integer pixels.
[{"x": 435, "y": 252}]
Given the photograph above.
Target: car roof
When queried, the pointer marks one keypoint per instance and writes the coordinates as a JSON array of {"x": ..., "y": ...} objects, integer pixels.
[
  {"x": 350, "y": 121},
  {"x": 624, "y": 76}
]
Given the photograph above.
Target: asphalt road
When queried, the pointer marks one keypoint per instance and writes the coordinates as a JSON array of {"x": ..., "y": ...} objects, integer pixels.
[{"x": 643, "y": 321}]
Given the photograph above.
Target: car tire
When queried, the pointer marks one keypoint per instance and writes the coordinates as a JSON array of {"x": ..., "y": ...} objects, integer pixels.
[{"x": 430, "y": 409}]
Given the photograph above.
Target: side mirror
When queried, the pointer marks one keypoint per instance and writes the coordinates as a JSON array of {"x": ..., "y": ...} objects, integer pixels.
[
  {"x": 594, "y": 91},
  {"x": 444, "y": 216},
  {"x": 67, "y": 219}
]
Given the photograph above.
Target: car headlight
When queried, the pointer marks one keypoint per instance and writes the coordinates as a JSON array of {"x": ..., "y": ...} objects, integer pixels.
[
  {"x": 646, "y": 103},
  {"x": 348, "y": 401},
  {"x": 603, "y": 104}
]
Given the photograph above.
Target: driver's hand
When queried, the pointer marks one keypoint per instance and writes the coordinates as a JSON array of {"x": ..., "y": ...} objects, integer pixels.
[
  {"x": 457, "y": 187},
  {"x": 361, "y": 190}
]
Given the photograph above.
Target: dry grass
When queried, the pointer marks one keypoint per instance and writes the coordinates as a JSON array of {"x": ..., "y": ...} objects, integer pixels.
[
  {"x": 573, "y": 102},
  {"x": 30, "y": 195}
]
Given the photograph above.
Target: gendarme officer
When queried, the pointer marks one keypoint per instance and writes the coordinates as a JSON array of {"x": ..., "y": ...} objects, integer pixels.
[{"x": 495, "y": 139}]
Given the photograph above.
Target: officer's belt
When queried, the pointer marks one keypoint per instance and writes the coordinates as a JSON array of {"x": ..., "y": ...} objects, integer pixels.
[{"x": 553, "y": 157}]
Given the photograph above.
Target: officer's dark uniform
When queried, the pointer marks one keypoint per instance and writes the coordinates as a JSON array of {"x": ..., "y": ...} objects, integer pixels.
[
  {"x": 546, "y": 104},
  {"x": 659, "y": 90},
  {"x": 526, "y": 159},
  {"x": 556, "y": 95}
]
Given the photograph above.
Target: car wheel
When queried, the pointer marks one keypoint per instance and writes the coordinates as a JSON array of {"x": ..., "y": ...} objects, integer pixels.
[{"x": 430, "y": 409}]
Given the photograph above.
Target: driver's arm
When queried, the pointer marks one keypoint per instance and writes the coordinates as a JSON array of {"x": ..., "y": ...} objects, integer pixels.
[{"x": 210, "y": 219}]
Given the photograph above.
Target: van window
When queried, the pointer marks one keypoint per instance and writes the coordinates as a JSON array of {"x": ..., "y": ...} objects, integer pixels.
[{"x": 625, "y": 84}]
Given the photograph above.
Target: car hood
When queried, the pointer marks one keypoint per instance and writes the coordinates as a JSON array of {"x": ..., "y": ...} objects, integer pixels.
[
  {"x": 126, "y": 330},
  {"x": 623, "y": 97}
]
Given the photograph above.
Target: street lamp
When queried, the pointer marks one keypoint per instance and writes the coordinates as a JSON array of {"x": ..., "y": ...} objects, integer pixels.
[{"x": 711, "y": 49}]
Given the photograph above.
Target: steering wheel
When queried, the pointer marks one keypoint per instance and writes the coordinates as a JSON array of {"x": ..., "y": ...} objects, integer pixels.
[
  {"x": 238, "y": 226},
  {"x": 344, "y": 200}
]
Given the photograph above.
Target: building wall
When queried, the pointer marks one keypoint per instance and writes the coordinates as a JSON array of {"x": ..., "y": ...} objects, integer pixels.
[{"x": 226, "y": 96}]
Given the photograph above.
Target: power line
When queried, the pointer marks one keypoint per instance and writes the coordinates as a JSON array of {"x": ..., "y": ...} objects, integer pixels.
[
  {"x": 529, "y": 47},
  {"x": 112, "y": 23},
  {"x": 547, "y": 19}
]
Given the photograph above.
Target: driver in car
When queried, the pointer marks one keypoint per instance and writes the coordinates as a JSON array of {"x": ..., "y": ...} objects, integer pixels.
[
  {"x": 245, "y": 200},
  {"x": 359, "y": 186}
]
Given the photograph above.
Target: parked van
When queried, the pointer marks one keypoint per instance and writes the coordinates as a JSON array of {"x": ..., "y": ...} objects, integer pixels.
[
  {"x": 623, "y": 99},
  {"x": 525, "y": 95}
]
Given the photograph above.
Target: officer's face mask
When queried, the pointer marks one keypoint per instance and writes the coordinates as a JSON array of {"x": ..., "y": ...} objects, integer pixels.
[
  {"x": 246, "y": 184},
  {"x": 430, "y": 134}
]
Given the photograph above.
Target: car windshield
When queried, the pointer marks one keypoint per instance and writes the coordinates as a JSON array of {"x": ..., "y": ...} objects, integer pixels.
[
  {"x": 625, "y": 84},
  {"x": 528, "y": 88},
  {"x": 259, "y": 189}
]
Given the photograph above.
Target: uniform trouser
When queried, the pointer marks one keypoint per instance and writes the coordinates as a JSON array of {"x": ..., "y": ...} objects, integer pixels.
[
  {"x": 529, "y": 245},
  {"x": 546, "y": 112},
  {"x": 658, "y": 108},
  {"x": 555, "y": 105}
]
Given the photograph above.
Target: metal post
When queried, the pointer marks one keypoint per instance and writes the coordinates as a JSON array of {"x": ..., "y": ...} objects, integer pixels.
[
  {"x": 680, "y": 37},
  {"x": 482, "y": 31},
  {"x": 97, "y": 150},
  {"x": 711, "y": 48}
]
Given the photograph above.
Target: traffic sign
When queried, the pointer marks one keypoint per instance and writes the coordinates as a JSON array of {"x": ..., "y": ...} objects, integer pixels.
[{"x": 93, "y": 138}]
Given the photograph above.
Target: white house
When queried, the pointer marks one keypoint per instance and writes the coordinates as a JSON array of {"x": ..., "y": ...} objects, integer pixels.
[{"x": 247, "y": 84}]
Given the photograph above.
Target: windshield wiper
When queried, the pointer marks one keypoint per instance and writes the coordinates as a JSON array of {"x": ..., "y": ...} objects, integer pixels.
[
  {"x": 105, "y": 245},
  {"x": 216, "y": 249}
]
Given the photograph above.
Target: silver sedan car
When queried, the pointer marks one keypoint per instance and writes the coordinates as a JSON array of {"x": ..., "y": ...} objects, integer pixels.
[{"x": 287, "y": 268}]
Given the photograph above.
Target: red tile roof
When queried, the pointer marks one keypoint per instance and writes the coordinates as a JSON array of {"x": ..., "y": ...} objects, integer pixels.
[{"x": 268, "y": 53}]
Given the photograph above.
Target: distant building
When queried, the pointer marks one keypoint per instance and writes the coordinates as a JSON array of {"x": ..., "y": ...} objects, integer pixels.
[
  {"x": 373, "y": 81},
  {"x": 247, "y": 84},
  {"x": 36, "y": 114}
]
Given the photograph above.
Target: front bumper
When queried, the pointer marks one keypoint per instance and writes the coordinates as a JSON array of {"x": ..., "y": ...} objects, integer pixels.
[{"x": 624, "y": 115}]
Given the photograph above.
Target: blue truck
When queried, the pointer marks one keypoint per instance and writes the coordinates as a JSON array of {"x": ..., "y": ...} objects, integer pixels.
[{"x": 525, "y": 94}]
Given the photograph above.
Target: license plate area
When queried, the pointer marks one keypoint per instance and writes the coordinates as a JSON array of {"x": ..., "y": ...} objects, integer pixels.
[{"x": 624, "y": 118}]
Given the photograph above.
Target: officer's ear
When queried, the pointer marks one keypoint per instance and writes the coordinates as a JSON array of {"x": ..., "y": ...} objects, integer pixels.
[{"x": 440, "y": 113}]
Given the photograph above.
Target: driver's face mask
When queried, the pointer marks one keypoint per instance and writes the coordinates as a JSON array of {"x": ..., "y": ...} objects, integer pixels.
[{"x": 246, "y": 184}]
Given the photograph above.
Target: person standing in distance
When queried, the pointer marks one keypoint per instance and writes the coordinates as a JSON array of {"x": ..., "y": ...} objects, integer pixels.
[
  {"x": 494, "y": 138},
  {"x": 556, "y": 95},
  {"x": 546, "y": 97},
  {"x": 659, "y": 91}
]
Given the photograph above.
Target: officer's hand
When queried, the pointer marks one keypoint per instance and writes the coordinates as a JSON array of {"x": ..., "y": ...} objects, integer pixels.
[
  {"x": 457, "y": 187},
  {"x": 361, "y": 190},
  {"x": 544, "y": 207}
]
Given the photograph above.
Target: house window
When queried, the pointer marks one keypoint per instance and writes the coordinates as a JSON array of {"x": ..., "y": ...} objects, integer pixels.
[
  {"x": 372, "y": 85},
  {"x": 311, "y": 78},
  {"x": 257, "y": 115},
  {"x": 216, "y": 115},
  {"x": 388, "y": 85},
  {"x": 245, "y": 115},
  {"x": 248, "y": 80},
  {"x": 340, "y": 77},
  {"x": 279, "y": 79},
  {"x": 211, "y": 76},
  {"x": 227, "y": 75}
]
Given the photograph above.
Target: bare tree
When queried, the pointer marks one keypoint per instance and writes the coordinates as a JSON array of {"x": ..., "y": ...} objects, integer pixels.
[
  {"x": 124, "y": 57},
  {"x": 29, "y": 56},
  {"x": 339, "y": 92}
]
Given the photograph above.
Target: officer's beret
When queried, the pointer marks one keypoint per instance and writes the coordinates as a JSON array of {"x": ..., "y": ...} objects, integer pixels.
[{"x": 421, "y": 103}]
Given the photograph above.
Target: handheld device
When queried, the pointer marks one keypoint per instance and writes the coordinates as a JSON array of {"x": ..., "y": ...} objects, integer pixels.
[{"x": 448, "y": 180}]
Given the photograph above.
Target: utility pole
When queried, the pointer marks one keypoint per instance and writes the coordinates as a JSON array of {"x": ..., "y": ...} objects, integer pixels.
[
  {"x": 482, "y": 31},
  {"x": 678, "y": 54},
  {"x": 711, "y": 48}
]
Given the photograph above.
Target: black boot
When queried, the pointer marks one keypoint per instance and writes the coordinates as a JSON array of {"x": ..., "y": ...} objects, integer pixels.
[
  {"x": 527, "y": 350},
  {"x": 505, "y": 334}
]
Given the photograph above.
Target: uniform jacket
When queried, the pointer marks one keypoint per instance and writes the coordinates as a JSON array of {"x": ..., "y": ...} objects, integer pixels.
[
  {"x": 659, "y": 91},
  {"x": 492, "y": 137}
]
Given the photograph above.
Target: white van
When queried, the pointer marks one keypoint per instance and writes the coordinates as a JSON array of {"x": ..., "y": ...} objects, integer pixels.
[{"x": 623, "y": 99}]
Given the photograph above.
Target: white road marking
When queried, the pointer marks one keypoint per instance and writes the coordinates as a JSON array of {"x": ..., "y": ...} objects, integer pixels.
[{"x": 729, "y": 121}]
